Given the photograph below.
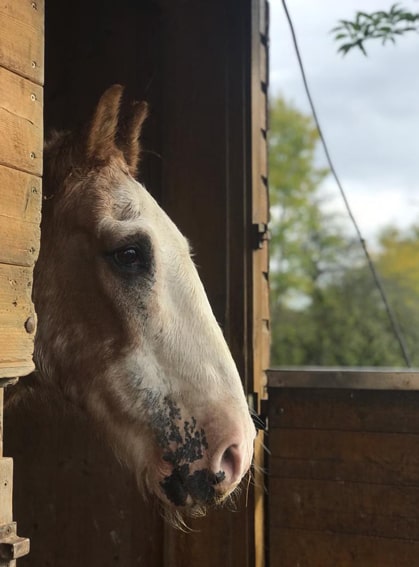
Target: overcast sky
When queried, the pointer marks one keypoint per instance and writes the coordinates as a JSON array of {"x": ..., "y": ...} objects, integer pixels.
[{"x": 368, "y": 107}]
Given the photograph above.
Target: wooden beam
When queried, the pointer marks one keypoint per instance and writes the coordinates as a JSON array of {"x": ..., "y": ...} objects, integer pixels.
[{"x": 22, "y": 38}]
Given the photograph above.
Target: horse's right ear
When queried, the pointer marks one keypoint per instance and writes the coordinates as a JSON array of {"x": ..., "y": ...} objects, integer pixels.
[
  {"x": 130, "y": 142},
  {"x": 104, "y": 125}
]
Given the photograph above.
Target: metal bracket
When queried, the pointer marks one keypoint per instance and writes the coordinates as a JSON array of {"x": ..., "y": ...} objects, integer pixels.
[
  {"x": 11, "y": 545},
  {"x": 260, "y": 234}
]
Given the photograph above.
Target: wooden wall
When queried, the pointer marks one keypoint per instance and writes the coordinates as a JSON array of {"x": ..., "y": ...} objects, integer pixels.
[
  {"x": 191, "y": 61},
  {"x": 21, "y": 127},
  {"x": 344, "y": 472}
]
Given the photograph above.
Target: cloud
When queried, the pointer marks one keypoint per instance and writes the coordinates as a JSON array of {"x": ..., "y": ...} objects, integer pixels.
[{"x": 368, "y": 107}]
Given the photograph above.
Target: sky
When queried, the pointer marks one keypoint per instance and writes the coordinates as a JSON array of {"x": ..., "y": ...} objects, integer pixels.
[{"x": 368, "y": 107}]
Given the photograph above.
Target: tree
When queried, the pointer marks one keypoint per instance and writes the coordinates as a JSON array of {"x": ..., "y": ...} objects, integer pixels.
[
  {"x": 385, "y": 26},
  {"x": 308, "y": 246},
  {"x": 325, "y": 307},
  {"x": 303, "y": 236}
]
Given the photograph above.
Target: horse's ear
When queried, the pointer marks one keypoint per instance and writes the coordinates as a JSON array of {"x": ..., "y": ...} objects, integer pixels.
[
  {"x": 130, "y": 142},
  {"x": 104, "y": 126}
]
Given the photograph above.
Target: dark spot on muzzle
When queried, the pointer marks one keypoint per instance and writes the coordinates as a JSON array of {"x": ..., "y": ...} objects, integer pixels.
[
  {"x": 183, "y": 444},
  {"x": 200, "y": 485}
]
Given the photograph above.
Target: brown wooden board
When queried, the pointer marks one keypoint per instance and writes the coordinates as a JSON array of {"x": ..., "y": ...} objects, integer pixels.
[
  {"x": 346, "y": 410},
  {"x": 346, "y": 507},
  {"x": 6, "y": 476},
  {"x": 343, "y": 477},
  {"x": 304, "y": 548},
  {"x": 22, "y": 39},
  {"x": 16, "y": 343},
  {"x": 260, "y": 345},
  {"x": 20, "y": 203},
  {"x": 387, "y": 458},
  {"x": 21, "y": 122}
]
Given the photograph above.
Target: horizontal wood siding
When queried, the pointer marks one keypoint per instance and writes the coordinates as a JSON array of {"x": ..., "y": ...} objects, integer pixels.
[
  {"x": 15, "y": 310},
  {"x": 21, "y": 121},
  {"x": 22, "y": 38},
  {"x": 21, "y": 126},
  {"x": 343, "y": 477},
  {"x": 19, "y": 217}
]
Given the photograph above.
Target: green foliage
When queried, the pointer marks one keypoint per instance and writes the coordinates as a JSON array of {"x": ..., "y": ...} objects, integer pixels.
[
  {"x": 325, "y": 308},
  {"x": 300, "y": 244},
  {"x": 385, "y": 26}
]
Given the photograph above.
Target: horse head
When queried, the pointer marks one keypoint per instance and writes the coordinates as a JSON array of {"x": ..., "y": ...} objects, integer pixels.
[{"x": 125, "y": 329}]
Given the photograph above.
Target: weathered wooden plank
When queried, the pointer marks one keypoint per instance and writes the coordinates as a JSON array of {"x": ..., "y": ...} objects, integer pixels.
[
  {"x": 344, "y": 507},
  {"x": 1, "y": 420},
  {"x": 20, "y": 207},
  {"x": 6, "y": 485},
  {"x": 21, "y": 123},
  {"x": 22, "y": 38},
  {"x": 263, "y": 55},
  {"x": 259, "y": 260},
  {"x": 16, "y": 343},
  {"x": 356, "y": 410},
  {"x": 345, "y": 378},
  {"x": 292, "y": 548},
  {"x": 263, "y": 164},
  {"x": 20, "y": 195},
  {"x": 384, "y": 458}
]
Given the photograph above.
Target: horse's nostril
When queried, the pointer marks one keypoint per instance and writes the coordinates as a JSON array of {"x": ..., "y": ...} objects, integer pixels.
[
  {"x": 231, "y": 463},
  {"x": 219, "y": 477}
]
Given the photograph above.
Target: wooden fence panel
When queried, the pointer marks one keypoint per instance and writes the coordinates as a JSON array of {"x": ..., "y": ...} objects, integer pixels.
[{"x": 343, "y": 476}]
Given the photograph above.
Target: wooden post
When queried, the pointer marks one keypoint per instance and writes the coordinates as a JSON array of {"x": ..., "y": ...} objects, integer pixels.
[
  {"x": 21, "y": 124},
  {"x": 260, "y": 257},
  {"x": 11, "y": 546}
]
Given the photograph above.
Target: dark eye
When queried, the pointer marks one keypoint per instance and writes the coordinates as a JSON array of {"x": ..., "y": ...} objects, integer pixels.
[
  {"x": 130, "y": 259},
  {"x": 133, "y": 258},
  {"x": 127, "y": 257}
]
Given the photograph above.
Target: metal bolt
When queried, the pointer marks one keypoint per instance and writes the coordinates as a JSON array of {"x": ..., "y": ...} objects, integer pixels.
[{"x": 30, "y": 325}]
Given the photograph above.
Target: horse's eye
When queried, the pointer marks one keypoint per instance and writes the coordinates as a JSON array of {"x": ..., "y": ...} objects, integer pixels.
[
  {"x": 133, "y": 258},
  {"x": 129, "y": 258}
]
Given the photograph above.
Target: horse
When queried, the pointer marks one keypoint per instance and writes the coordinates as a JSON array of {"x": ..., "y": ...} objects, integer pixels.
[{"x": 125, "y": 330}]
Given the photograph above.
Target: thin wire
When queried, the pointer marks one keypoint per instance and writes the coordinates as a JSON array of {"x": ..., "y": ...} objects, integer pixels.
[{"x": 390, "y": 313}]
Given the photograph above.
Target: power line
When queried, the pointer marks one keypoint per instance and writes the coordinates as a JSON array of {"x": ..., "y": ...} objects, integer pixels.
[{"x": 390, "y": 313}]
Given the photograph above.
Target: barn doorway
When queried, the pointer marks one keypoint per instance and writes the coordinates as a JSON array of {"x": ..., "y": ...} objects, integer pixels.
[{"x": 202, "y": 67}]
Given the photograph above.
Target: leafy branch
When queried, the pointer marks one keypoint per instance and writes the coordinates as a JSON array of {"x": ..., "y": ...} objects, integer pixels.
[{"x": 386, "y": 26}]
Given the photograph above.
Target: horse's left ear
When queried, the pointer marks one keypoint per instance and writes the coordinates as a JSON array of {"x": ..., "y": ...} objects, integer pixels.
[
  {"x": 130, "y": 142},
  {"x": 103, "y": 128}
]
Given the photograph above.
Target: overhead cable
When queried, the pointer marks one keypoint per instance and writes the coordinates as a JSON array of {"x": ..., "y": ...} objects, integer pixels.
[{"x": 390, "y": 313}]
